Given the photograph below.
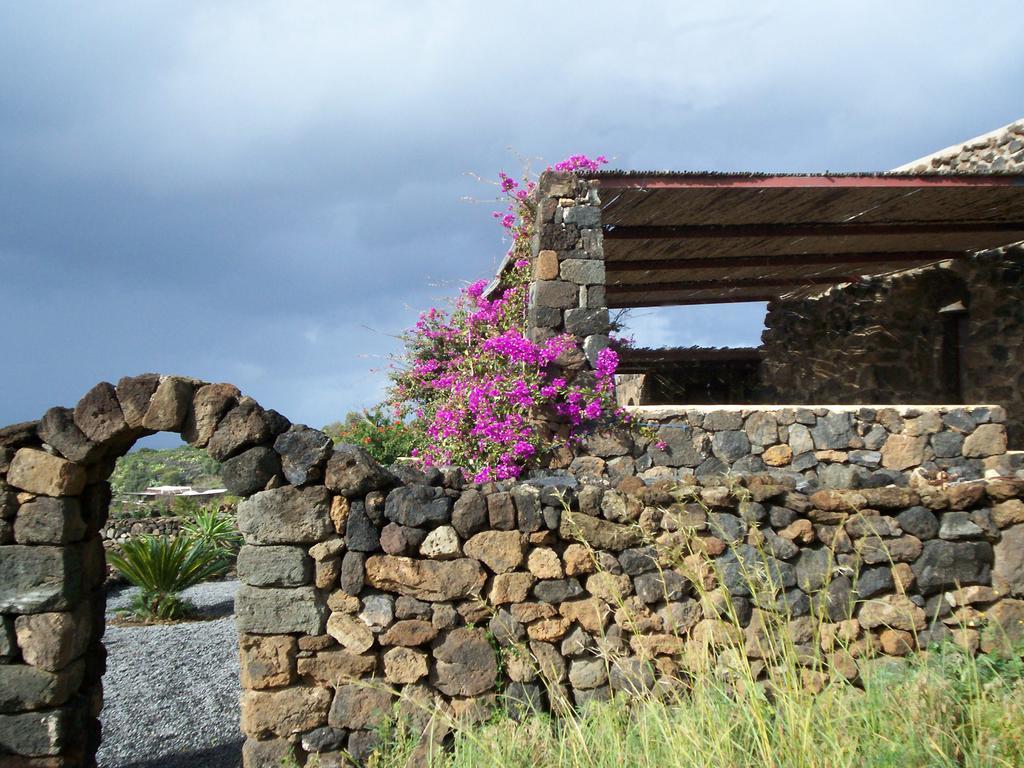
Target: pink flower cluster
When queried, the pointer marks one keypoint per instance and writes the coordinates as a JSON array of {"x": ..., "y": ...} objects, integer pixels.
[
  {"x": 478, "y": 386},
  {"x": 580, "y": 163}
]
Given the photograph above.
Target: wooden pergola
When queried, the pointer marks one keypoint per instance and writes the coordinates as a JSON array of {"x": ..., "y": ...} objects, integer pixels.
[{"x": 709, "y": 238}]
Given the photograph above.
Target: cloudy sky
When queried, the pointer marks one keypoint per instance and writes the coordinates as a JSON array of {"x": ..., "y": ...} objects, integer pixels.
[{"x": 267, "y": 192}]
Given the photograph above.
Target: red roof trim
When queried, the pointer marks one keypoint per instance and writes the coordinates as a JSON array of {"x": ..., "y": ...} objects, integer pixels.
[{"x": 609, "y": 180}]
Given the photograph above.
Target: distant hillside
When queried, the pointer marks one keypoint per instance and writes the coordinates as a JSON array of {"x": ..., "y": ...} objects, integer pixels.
[{"x": 146, "y": 467}]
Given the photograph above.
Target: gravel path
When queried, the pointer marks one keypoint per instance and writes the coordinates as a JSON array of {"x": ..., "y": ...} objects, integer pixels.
[{"x": 171, "y": 692}]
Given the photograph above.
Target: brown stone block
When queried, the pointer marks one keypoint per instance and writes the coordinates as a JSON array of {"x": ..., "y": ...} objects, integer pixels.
[
  {"x": 169, "y": 405},
  {"x": 892, "y": 611},
  {"x": 546, "y": 266},
  {"x": 51, "y": 641},
  {"x": 903, "y": 451},
  {"x": 548, "y": 630},
  {"x": 350, "y": 631},
  {"x": 270, "y": 753},
  {"x": 38, "y": 472},
  {"x": 527, "y": 612},
  {"x": 986, "y": 440},
  {"x": 501, "y": 551},
  {"x": 267, "y": 661},
  {"x": 337, "y": 667},
  {"x": 590, "y": 613},
  {"x": 465, "y": 663},
  {"x": 409, "y": 632},
  {"x": 359, "y": 706},
  {"x": 209, "y": 404},
  {"x": 404, "y": 665},
  {"x": 133, "y": 395},
  {"x": 431, "y": 580},
  {"x": 285, "y": 711}
]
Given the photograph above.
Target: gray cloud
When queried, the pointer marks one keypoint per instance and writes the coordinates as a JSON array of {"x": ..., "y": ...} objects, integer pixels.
[{"x": 267, "y": 192}]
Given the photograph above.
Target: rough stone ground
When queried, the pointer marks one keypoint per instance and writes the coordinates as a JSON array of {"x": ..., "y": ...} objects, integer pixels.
[{"x": 171, "y": 691}]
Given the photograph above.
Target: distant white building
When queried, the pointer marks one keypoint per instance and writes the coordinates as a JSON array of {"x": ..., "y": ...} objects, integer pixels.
[{"x": 162, "y": 491}]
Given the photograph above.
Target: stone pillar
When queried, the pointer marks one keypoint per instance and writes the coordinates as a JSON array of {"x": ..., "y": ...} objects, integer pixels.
[
  {"x": 567, "y": 293},
  {"x": 51, "y": 605}
]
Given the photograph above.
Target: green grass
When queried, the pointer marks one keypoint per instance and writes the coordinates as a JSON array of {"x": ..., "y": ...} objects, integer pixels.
[
  {"x": 940, "y": 708},
  {"x": 782, "y": 692}
]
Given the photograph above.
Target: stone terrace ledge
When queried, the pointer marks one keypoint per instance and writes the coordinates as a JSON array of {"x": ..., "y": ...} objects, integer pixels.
[{"x": 829, "y": 446}]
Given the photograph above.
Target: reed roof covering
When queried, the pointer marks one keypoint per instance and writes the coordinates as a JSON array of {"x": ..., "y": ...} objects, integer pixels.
[{"x": 694, "y": 238}]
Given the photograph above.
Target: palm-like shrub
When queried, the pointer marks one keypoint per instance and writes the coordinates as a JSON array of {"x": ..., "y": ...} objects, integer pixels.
[
  {"x": 214, "y": 528},
  {"x": 162, "y": 567}
]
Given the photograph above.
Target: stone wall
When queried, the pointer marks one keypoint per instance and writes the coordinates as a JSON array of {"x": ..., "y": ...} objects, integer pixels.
[
  {"x": 999, "y": 151},
  {"x": 54, "y": 499},
  {"x": 881, "y": 341},
  {"x": 694, "y": 382},
  {"x": 364, "y": 587},
  {"x": 567, "y": 292},
  {"x": 440, "y": 600},
  {"x": 122, "y": 528},
  {"x": 886, "y": 341},
  {"x": 992, "y": 356},
  {"x": 834, "y": 446}
]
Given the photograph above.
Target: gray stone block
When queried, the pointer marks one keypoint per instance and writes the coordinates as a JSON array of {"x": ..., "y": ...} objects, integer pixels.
[
  {"x": 949, "y": 564},
  {"x": 36, "y": 734},
  {"x": 730, "y": 445},
  {"x": 8, "y": 645},
  {"x": 947, "y": 445},
  {"x": 250, "y": 471},
  {"x": 1008, "y": 571},
  {"x": 353, "y": 472},
  {"x": 261, "y": 611},
  {"x": 303, "y": 452},
  {"x": 26, "y": 688},
  {"x": 353, "y": 573},
  {"x": 35, "y": 579},
  {"x": 593, "y": 296},
  {"x": 418, "y": 505},
  {"x": 49, "y": 520},
  {"x": 716, "y": 421},
  {"x": 958, "y": 525},
  {"x": 582, "y": 215},
  {"x": 582, "y": 271},
  {"x": 361, "y": 534},
  {"x": 57, "y": 428},
  {"x": 274, "y": 566},
  {"x": 833, "y": 431},
  {"x": 244, "y": 426},
  {"x": 555, "y": 294},
  {"x": 286, "y": 515}
]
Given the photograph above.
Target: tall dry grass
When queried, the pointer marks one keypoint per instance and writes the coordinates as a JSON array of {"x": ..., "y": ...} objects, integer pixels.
[{"x": 791, "y": 695}]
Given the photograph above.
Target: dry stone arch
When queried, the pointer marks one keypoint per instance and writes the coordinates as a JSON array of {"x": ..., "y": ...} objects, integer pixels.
[
  {"x": 54, "y": 497},
  {"x": 365, "y": 589}
]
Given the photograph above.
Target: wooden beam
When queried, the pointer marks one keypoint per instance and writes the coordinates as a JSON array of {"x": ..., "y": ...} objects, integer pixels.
[
  {"x": 726, "y": 283},
  {"x": 784, "y": 260},
  {"x": 720, "y": 231},
  {"x": 646, "y": 356},
  {"x": 613, "y": 180},
  {"x": 669, "y": 302}
]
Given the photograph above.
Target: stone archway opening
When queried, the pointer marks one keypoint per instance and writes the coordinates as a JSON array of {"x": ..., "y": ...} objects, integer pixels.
[{"x": 54, "y": 500}]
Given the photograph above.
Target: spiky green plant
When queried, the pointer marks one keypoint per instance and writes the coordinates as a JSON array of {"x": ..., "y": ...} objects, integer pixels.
[
  {"x": 163, "y": 567},
  {"x": 217, "y": 529}
]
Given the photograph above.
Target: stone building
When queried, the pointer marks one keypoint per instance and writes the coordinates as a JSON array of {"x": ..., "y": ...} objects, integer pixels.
[
  {"x": 366, "y": 588},
  {"x": 882, "y": 289}
]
